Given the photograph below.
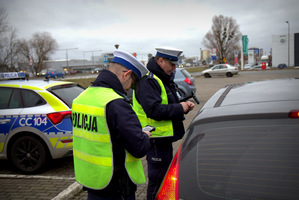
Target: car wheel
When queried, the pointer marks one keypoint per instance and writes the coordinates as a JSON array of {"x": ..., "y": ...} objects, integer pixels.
[
  {"x": 228, "y": 74},
  {"x": 28, "y": 154},
  {"x": 207, "y": 76}
]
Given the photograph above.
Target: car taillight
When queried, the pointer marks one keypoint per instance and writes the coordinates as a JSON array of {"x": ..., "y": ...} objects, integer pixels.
[
  {"x": 188, "y": 81},
  {"x": 170, "y": 185},
  {"x": 57, "y": 117},
  {"x": 294, "y": 114}
]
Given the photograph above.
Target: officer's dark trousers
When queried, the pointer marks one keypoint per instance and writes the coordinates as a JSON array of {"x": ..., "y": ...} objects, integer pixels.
[
  {"x": 156, "y": 174},
  {"x": 158, "y": 159}
]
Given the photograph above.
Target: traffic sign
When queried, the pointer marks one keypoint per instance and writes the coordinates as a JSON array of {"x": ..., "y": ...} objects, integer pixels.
[
  {"x": 236, "y": 53},
  {"x": 105, "y": 59},
  {"x": 214, "y": 57},
  {"x": 214, "y": 50}
]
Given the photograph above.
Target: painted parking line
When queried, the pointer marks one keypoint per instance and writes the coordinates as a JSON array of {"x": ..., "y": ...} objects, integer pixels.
[{"x": 18, "y": 176}]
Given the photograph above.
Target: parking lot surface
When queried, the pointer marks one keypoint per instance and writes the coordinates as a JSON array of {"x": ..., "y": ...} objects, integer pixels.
[{"x": 57, "y": 180}]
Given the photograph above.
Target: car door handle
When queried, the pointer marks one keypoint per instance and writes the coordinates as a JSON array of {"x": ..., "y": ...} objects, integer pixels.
[{"x": 4, "y": 121}]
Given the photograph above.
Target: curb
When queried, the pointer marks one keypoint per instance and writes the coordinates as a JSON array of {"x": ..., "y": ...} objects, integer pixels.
[{"x": 69, "y": 192}]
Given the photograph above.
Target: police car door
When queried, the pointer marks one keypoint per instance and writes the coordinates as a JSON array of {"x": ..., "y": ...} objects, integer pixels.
[{"x": 10, "y": 108}]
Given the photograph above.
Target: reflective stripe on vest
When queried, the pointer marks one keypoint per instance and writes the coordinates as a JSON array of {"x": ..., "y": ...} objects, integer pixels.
[
  {"x": 92, "y": 149},
  {"x": 164, "y": 128}
]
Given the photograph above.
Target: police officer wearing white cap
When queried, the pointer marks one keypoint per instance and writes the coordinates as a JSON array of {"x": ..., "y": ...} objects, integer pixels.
[
  {"x": 107, "y": 136},
  {"x": 156, "y": 103}
]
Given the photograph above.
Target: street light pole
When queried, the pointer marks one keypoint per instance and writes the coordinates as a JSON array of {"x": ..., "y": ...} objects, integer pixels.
[
  {"x": 67, "y": 59},
  {"x": 288, "y": 43},
  {"x": 92, "y": 54}
]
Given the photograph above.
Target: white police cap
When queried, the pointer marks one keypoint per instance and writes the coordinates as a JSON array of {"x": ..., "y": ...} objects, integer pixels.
[
  {"x": 169, "y": 53},
  {"x": 130, "y": 62}
]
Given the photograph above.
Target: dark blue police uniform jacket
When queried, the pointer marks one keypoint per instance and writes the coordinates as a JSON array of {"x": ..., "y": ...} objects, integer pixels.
[{"x": 148, "y": 94}]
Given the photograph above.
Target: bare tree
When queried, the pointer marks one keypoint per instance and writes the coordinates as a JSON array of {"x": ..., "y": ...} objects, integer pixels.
[
  {"x": 37, "y": 49},
  {"x": 8, "y": 40},
  {"x": 3, "y": 21},
  {"x": 225, "y": 36}
]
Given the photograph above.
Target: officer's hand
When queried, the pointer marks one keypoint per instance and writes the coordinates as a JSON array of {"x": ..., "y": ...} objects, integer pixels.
[
  {"x": 149, "y": 134},
  {"x": 187, "y": 106},
  {"x": 190, "y": 104}
]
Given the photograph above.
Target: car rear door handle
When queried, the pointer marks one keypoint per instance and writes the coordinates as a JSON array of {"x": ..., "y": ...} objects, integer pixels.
[{"x": 4, "y": 121}]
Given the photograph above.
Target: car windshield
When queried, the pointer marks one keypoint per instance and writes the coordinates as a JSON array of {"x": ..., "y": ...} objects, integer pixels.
[{"x": 67, "y": 92}]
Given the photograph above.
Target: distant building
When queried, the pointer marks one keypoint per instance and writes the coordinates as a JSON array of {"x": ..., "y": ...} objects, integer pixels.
[
  {"x": 205, "y": 55},
  {"x": 280, "y": 49},
  {"x": 79, "y": 65}
]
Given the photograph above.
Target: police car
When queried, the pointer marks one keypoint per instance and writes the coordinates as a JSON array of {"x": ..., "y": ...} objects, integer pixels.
[{"x": 35, "y": 123}]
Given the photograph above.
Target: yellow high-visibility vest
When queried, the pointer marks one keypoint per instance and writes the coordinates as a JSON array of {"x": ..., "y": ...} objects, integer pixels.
[
  {"x": 92, "y": 148},
  {"x": 164, "y": 128}
]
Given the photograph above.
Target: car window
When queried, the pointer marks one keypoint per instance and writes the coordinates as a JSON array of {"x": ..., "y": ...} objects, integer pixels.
[
  {"x": 4, "y": 97},
  {"x": 186, "y": 73},
  {"x": 179, "y": 75},
  {"x": 67, "y": 93},
  {"x": 257, "y": 162},
  {"x": 15, "y": 100},
  {"x": 31, "y": 99}
]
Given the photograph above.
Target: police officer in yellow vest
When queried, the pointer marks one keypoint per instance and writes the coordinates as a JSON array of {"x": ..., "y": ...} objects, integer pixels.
[
  {"x": 107, "y": 136},
  {"x": 156, "y": 103}
]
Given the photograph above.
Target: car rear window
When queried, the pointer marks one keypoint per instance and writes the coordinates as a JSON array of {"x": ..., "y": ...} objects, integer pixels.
[
  {"x": 186, "y": 73},
  {"x": 249, "y": 163},
  {"x": 67, "y": 93}
]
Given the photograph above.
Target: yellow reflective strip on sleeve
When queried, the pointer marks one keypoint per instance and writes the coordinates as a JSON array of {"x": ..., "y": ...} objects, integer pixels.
[
  {"x": 97, "y": 160},
  {"x": 31, "y": 87},
  {"x": 89, "y": 110},
  {"x": 96, "y": 137},
  {"x": 56, "y": 104}
]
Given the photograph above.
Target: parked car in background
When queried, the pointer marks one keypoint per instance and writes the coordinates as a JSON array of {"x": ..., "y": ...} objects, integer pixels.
[
  {"x": 258, "y": 67},
  {"x": 248, "y": 66},
  {"x": 281, "y": 66},
  {"x": 185, "y": 82},
  {"x": 54, "y": 73},
  {"x": 243, "y": 144},
  {"x": 42, "y": 73},
  {"x": 96, "y": 70},
  {"x": 35, "y": 122},
  {"x": 220, "y": 70}
]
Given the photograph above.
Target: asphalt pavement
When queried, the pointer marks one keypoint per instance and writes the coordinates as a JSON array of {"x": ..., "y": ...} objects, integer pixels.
[{"x": 57, "y": 180}]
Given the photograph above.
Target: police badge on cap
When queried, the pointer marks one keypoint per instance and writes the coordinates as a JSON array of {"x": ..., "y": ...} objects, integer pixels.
[{"x": 169, "y": 53}]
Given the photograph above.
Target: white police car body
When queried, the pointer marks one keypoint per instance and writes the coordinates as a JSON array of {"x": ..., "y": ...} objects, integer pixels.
[{"x": 35, "y": 121}]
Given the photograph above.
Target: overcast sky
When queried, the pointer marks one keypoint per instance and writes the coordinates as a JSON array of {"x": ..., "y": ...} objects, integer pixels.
[{"x": 140, "y": 26}]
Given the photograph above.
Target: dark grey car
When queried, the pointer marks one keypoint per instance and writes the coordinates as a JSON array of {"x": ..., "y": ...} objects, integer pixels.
[
  {"x": 243, "y": 144},
  {"x": 185, "y": 82}
]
